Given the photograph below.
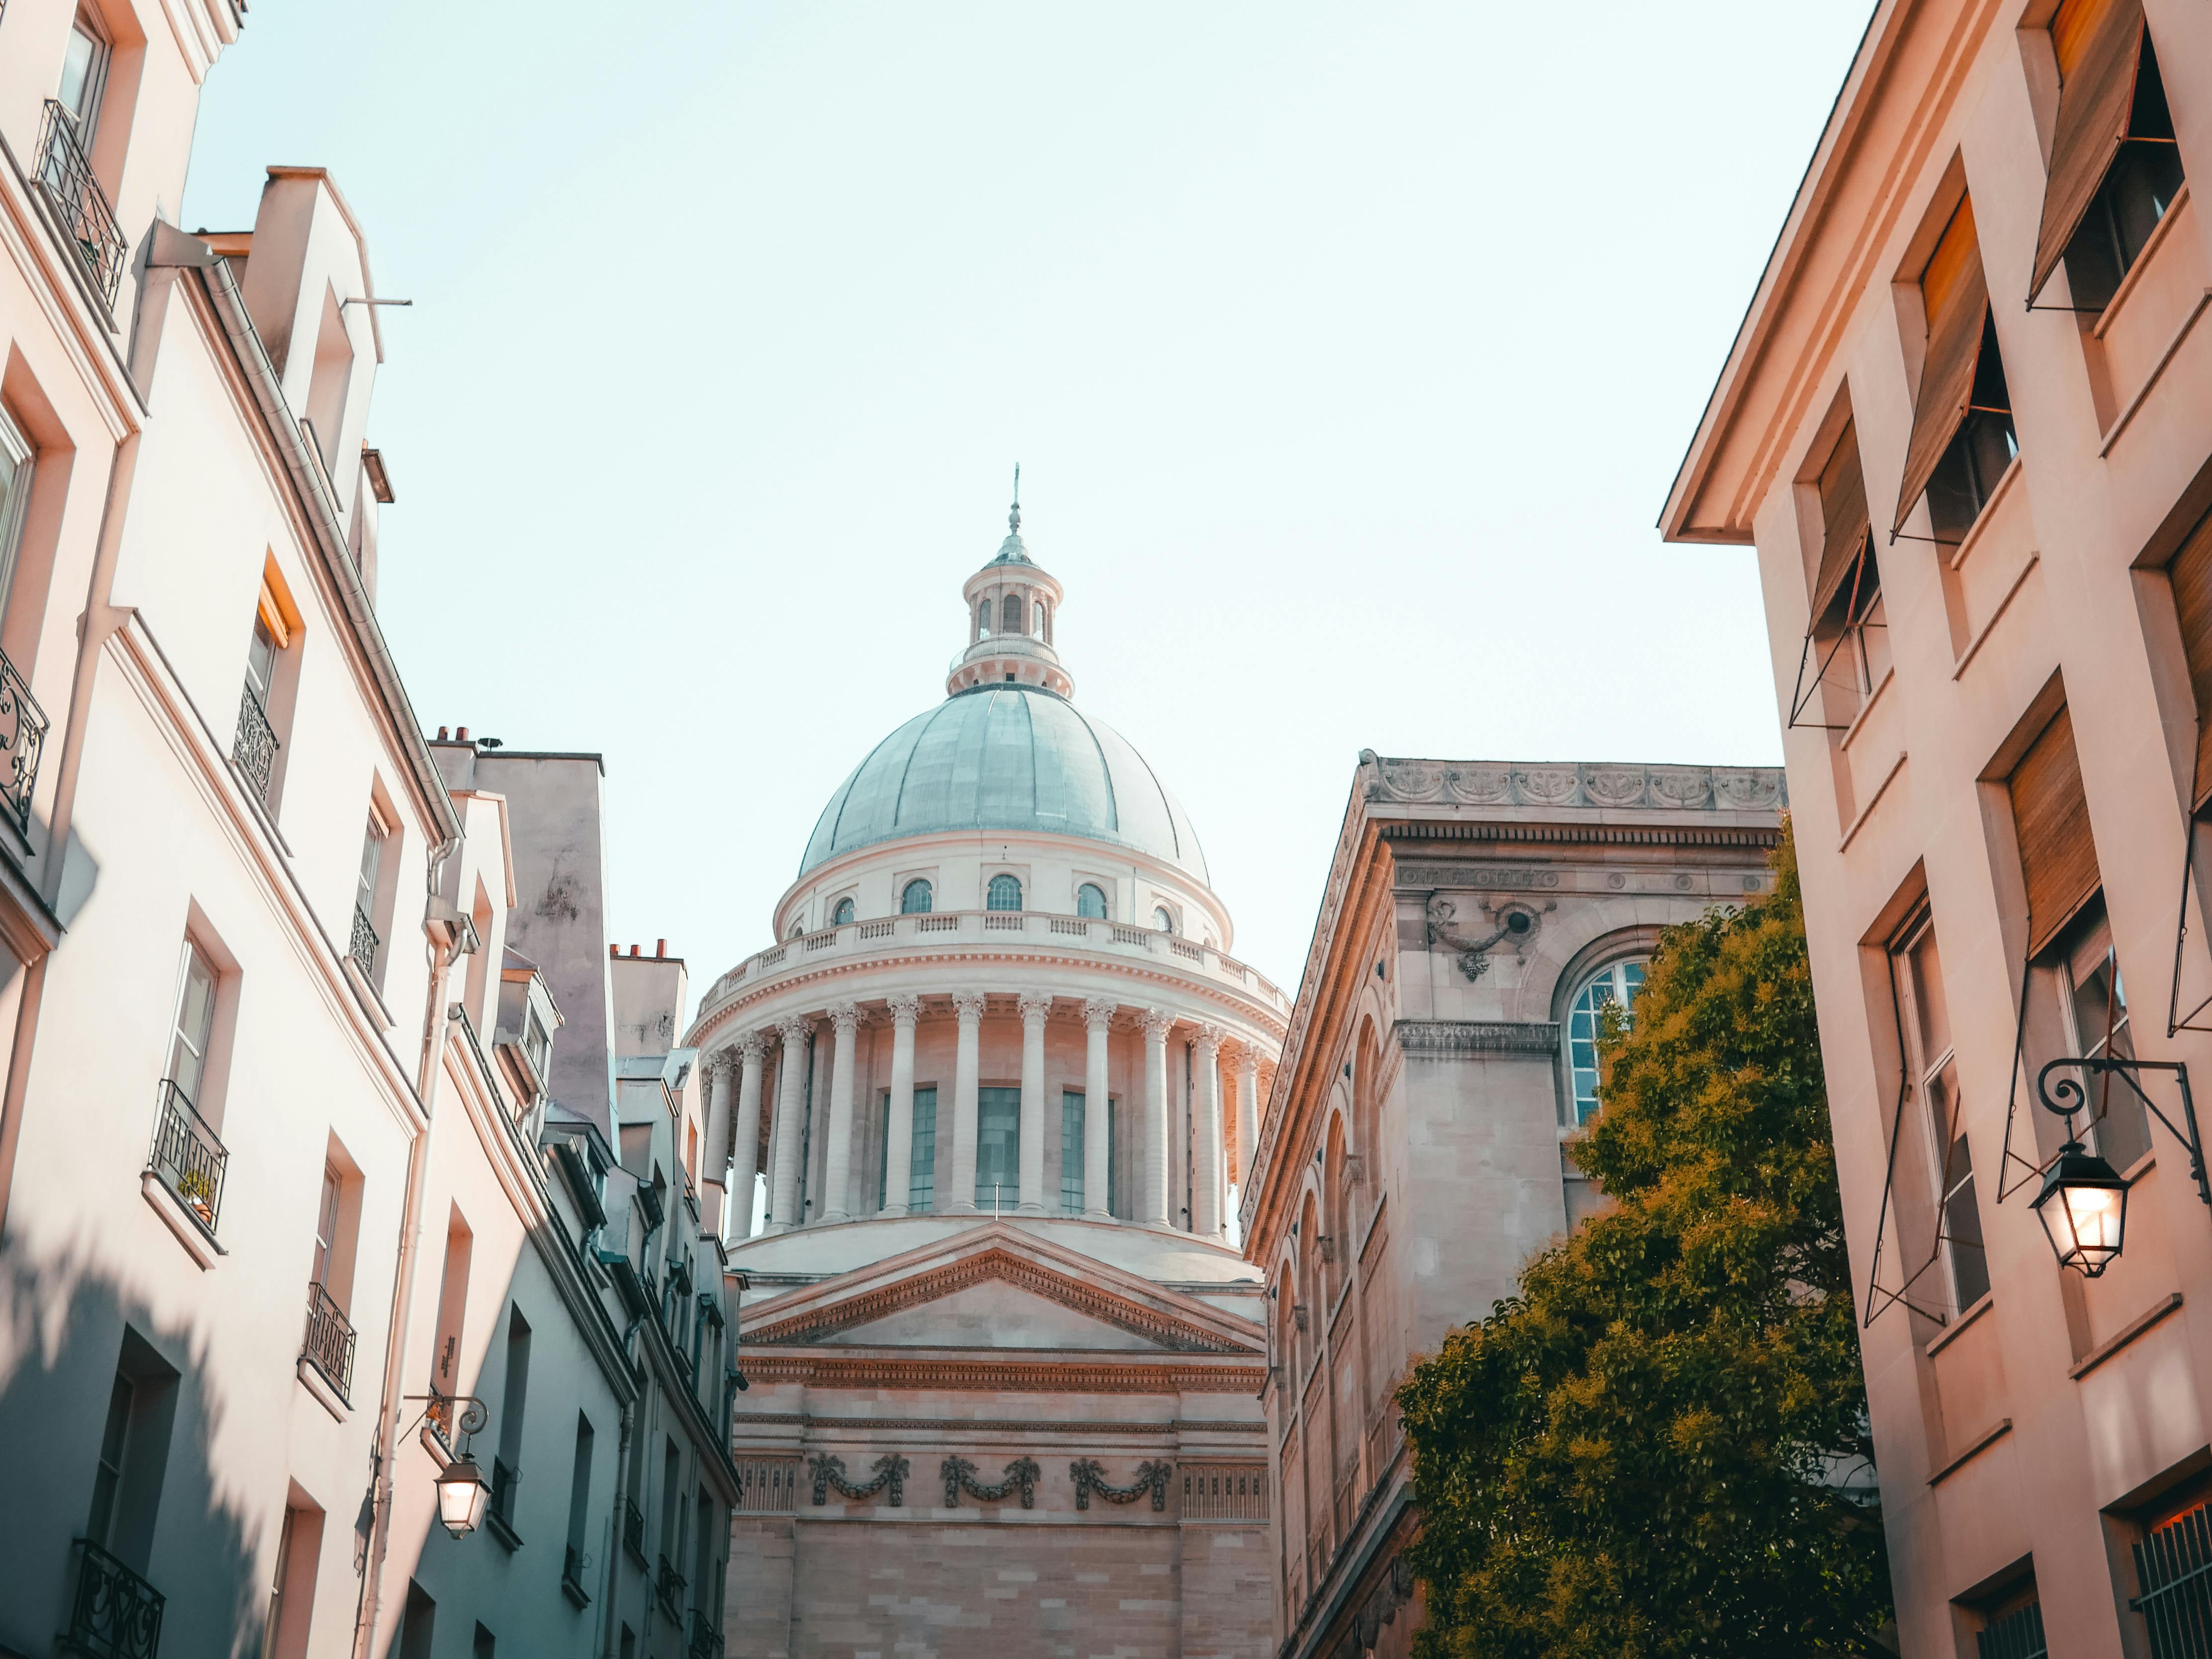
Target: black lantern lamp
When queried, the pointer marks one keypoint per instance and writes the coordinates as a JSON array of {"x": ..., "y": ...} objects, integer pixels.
[
  {"x": 463, "y": 1491},
  {"x": 2083, "y": 1205}
]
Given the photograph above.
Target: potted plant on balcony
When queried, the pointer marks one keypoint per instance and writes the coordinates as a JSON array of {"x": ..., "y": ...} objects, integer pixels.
[{"x": 198, "y": 1190}]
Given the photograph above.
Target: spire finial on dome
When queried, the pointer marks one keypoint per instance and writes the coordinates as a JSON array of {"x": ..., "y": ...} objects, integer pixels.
[{"x": 1014, "y": 518}]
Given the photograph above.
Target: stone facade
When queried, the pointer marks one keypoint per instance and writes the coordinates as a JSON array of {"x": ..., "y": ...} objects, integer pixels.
[{"x": 1416, "y": 1146}]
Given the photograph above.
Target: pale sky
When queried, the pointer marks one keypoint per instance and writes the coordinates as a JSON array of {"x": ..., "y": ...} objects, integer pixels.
[{"x": 1347, "y": 350}]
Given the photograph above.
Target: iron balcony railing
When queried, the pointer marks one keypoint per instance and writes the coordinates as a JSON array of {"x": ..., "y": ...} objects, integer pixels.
[
  {"x": 572, "y": 1575},
  {"x": 22, "y": 739},
  {"x": 255, "y": 752},
  {"x": 501, "y": 1513},
  {"x": 669, "y": 1585},
  {"x": 115, "y": 1613},
  {"x": 633, "y": 1531},
  {"x": 2173, "y": 1566},
  {"x": 188, "y": 1157},
  {"x": 329, "y": 1344},
  {"x": 365, "y": 941},
  {"x": 2018, "y": 1635},
  {"x": 706, "y": 1641},
  {"x": 64, "y": 174}
]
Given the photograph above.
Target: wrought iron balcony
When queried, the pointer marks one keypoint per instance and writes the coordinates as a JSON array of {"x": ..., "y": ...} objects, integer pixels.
[
  {"x": 363, "y": 948},
  {"x": 255, "y": 750},
  {"x": 669, "y": 1586},
  {"x": 115, "y": 1613},
  {"x": 188, "y": 1157},
  {"x": 633, "y": 1531},
  {"x": 64, "y": 174},
  {"x": 499, "y": 1516},
  {"x": 329, "y": 1344},
  {"x": 572, "y": 1576},
  {"x": 22, "y": 738},
  {"x": 706, "y": 1640}
]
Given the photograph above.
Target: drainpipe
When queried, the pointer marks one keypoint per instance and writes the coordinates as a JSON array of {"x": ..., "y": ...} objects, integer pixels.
[
  {"x": 622, "y": 1491},
  {"x": 441, "y": 958}
]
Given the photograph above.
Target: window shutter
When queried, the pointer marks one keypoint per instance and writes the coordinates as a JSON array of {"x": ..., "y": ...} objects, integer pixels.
[
  {"x": 2191, "y": 572},
  {"x": 1958, "y": 302},
  {"x": 1844, "y": 520},
  {"x": 2099, "y": 47},
  {"x": 2053, "y": 817},
  {"x": 272, "y": 616}
]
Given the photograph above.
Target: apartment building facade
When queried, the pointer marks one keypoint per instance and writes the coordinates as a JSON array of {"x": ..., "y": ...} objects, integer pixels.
[
  {"x": 1965, "y": 424},
  {"x": 1478, "y": 917}
]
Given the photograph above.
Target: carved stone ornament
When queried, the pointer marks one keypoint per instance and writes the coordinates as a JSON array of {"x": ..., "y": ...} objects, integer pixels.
[
  {"x": 969, "y": 1004},
  {"x": 891, "y": 1471},
  {"x": 1090, "y": 1476},
  {"x": 905, "y": 1011},
  {"x": 1033, "y": 1005},
  {"x": 1098, "y": 1012},
  {"x": 1022, "y": 1475},
  {"x": 1514, "y": 919},
  {"x": 1299, "y": 1313},
  {"x": 1355, "y": 1168},
  {"x": 1328, "y": 1247},
  {"x": 846, "y": 1015},
  {"x": 1157, "y": 1022},
  {"x": 752, "y": 1047},
  {"x": 795, "y": 1031}
]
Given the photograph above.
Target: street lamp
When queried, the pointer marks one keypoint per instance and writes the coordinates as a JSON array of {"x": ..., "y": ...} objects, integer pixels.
[
  {"x": 2083, "y": 1207},
  {"x": 462, "y": 1494}
]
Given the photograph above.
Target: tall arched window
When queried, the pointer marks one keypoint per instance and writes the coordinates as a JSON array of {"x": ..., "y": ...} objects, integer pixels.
[
  {"x": 842, "y": 915},
  {"x": 983, "y": 620},
  {"x": 1091, "y": 900},
  {"x": 914, "y": 899},
  {"x": 1616, "y": 983},
  {"x": 1009, "y": 614},
  {"x": 1162, "y": 919},
  {"x": 1036, "y": 619},
  {"x": 1005, "y": 894}
]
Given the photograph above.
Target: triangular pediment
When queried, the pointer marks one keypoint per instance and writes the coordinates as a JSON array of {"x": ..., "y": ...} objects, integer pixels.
[{"x": 997, "y": 1288}]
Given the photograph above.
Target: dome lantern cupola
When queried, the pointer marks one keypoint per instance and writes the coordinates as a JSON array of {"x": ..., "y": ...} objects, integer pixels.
[{"x": 1011, "y": 604}]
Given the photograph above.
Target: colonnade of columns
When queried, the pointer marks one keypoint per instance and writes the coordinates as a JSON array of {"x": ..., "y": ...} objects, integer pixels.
[{"x": 738, "y": 1069}]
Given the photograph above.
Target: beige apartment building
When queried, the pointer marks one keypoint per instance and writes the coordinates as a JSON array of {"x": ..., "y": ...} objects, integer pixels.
[
  {"x": 1967, "y": 424},
  {"x": 1478, "y": 919}
]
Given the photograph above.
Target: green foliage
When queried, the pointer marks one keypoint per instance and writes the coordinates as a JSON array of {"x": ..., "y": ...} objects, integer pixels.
[{"x": 1657, "y": 1448}]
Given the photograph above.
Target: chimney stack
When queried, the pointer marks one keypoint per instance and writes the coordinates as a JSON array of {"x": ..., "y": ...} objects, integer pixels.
[
  {"x": 461, "y": 734},
  {"x": 660, "y": 949}
]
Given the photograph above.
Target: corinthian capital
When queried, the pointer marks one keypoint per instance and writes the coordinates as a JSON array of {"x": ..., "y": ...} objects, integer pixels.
[
  {"x": 794, "y": 1030},
  {"x": 905, "y": 1011},
  {"x": 1035, "y": 1005},
  {"x": 751, "y": 1046},
  {"x": 969, "y": 1004},
  {"x": 1209, "y": 1037},
  {"x": 1098, "y": 1012},
  {"x": 847, "y": 1018},
  {"x": 1157, "y": 1022}
]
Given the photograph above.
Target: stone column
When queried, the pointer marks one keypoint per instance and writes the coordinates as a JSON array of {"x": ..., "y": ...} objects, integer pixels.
[
  {"x": 967, "y": 1068},
  {"x": 898, "y": 1140},
  {"x": 837, "y": 1155},
  {"x": 797, "y": 1036},
  {"x": 1206, "y": 1111},
  {"x": 1152, "y": 1207},
  {"x": 1098, "y": 1142},
  {"x": 713, "y": 1163},
  {"x": 744, "y": 1139},
  {"x": 1248, "y": 1115},
  {"x": 1035, "y": 1008}
]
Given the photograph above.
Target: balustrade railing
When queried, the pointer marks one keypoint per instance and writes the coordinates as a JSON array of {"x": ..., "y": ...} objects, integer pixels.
[
  {"x": 669, "y": 1586},
  {"x": 501, "y": 1508},
  {"x": 22, "y": 739},
  {"x": 65, "y": 177},
  {"x": 365, "y": 941},
  {"x": 634, "y": 1531},
  {"x": 330, "y": 1341},
  {"x": 255, "y": 748},
  {"x": 115, "y": 1613},
  {"x": 189, "y": 1159}
]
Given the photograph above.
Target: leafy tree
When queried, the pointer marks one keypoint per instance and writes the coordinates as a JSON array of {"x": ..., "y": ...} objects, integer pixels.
[{"x": 1658, "y": 1447}]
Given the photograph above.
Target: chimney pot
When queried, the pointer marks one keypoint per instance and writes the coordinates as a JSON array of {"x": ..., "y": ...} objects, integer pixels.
[
  {"x": 462, "y": 734},
  {"x": 615, "y": 951},
  {"x": 441, "y": 734},
  {"x": 660, "y": 949},
  {"x": 632, "y": 950}
]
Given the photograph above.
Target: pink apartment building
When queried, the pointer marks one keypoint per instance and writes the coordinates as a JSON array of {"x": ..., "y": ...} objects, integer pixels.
[{"x": 1967, "y": 424}]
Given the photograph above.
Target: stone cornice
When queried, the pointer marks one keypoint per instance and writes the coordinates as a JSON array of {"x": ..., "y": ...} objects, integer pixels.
[
  {"x": 1582, "y": 786},
  {"x": 813, "y": 1325},
  {"x": 876, "y": 1371},
  {"x": 1477, "y": 1036},
  {"x": 981, "y": 1427}
]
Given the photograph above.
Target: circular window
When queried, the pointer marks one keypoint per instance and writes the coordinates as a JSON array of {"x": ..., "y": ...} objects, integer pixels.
[
  {"x": 914, "y": 899},
  {"x": 1618, "y": 983},
  {"x": 1091, "y": 900}
]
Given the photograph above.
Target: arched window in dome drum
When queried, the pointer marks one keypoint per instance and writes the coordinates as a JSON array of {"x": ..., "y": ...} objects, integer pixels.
[
  {"x": 1005, "y": 894},
  {"x": 1091, "y": 900},
  {"x": 1036, "y": 619},
  {"x": 842, "y": 915},
  {"x": 983, "y": 620},
  {"x": 914, "y": 899},
  {"x": 1162, "y": 919},
  {"x": 1009, "y": 614}
]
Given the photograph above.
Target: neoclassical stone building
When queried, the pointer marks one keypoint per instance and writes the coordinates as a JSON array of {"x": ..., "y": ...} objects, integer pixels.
[{"x": 999, "y": 1073}]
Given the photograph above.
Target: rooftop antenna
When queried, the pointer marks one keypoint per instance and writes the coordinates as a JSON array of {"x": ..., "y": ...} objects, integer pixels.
[{"x": 1014, "y": 518}]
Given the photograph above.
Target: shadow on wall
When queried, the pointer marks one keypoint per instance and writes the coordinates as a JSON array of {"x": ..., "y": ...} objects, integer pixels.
[{"x": 105, "y": 1425}]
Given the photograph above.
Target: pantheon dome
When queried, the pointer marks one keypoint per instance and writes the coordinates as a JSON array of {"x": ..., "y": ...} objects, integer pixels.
[{"x": 995, "y": 1074}]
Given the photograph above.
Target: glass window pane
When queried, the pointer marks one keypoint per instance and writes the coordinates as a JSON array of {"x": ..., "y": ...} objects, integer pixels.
[
  {"x": 80, "y": 79},
  {"x": 1091, "y": 900},
  {"x": 1005, "y": 894},
  {"x": 109, "y": 1474},
  {"x": 1071, "y": 1151},
  {"x": 914, "y": 900},
  {"x": 921, "y": 1177},
  {"x": 195, "y": 1020},
  {"x": 998, "y": 1148}
]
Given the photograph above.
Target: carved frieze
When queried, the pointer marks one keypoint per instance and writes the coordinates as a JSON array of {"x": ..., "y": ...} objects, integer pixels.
[
  {"x": 1090, "y": 1475},
  {"x": 1477, "y": 1036}
]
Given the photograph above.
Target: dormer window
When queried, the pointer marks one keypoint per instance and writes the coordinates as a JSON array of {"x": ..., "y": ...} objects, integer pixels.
[
  {"x": 84, "y": 75},
  {"x": 537, "y": 1045}
]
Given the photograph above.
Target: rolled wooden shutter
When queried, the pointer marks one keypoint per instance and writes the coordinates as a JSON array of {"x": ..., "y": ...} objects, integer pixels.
[
  {"x": 1844, "y": 520},
  {"x": 2051, "y": 816},
  {"x": 2099, "y": 47},
  {"x": 272, "y": 616},
  {"x": 2191, "y": 574},
  {"x": 1958, "y": 302}
]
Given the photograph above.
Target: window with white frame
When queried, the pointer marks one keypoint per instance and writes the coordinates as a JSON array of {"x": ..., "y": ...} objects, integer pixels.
[
  {"x": 15, "y": 463},
  {"x": 842, "y": 913},
  {"x": 1932, "y": 1075},
  {"x": 1162, "y": 918},
  {"x": 84, "y": 75},
  {"x": 192, "y": 1026},
  {"x": 914, "y": 899},
  {"x": 1091, "y": 900},
  {"x": 2093, "y": 1006},
  {"x": 1004, "y": 894},
  {"x": 1616, "y": 985}
]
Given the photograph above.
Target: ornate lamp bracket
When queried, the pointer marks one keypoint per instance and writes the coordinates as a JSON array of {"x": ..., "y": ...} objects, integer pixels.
[{"x": 2061, "y": 1093}]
